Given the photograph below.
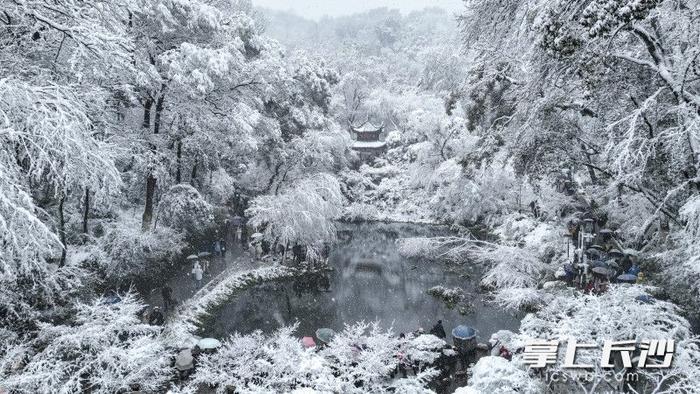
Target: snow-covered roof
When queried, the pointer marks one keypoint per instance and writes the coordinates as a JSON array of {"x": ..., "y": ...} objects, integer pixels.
[
  {"x": 368, "y": 144},
  {"x": 366, "y": 127}
]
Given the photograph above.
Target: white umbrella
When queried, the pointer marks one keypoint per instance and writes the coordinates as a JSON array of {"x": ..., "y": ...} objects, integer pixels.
[
  {"x": 192, "y": 257},
  {"x": 256, "y": 235},
  {"x": 208, "y": 343},
  {"x": 190, "y": 342}
]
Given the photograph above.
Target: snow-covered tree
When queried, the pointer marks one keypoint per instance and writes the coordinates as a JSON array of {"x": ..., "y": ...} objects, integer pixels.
[
  {"x": 495, "y": 374},
  {"x": 620, "y": 314},
  {"x": 302, "y": 215},
  {"x": 359, "y": 359},
  {"x": 104, "y": 349},
  {"x": 183, "y": 209}
]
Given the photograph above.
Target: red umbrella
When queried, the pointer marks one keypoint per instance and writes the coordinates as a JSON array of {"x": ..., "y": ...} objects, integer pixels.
[{"x": 308, "y": 342}]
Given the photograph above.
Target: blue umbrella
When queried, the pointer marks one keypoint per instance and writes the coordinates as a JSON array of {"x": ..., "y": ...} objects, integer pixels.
[
  {"x": 598, "y": 263},
  {"x": 627, "y": 278},
  {"x": 111, "y": 299},
  {"x": 463, "y": 332},
  {"x": 325, "y": 334}
]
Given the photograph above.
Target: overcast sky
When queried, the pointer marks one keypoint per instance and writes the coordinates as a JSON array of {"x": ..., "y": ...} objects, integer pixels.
[{"x": 315, "y": 9}]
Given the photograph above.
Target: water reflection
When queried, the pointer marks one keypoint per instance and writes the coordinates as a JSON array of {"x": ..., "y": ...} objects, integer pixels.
[{"x": 370, "y": 281}]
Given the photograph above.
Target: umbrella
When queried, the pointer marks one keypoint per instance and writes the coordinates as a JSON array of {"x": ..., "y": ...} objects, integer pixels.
[
  {"x": 615, "y": 253},
  {"x": 208, "y": 343},
  {"x": 606, "y": 231},
  {"x": 184, "y": 360},
  {"x": 325, "y": 334},
  {"x": 192, "y": 257},
  {"x": 256, "y": 235},
  {"x": 598, "y": 263},
  {"x": 308, "y": 342},
  {"x": 189, "y": 342},
  {"x": 463, "y": 332},
  {"x": 645, "y": 299},
  {"x": 596, "y": 247},
  {"x": 204, "y": 254},
  {"x": 627, "y": 278},
  {"x": 612, "y": 263},
  {"x": 601, "y": 271},
  {"x": 111, "y": 299},
  {"x": 594, "y": 252}
]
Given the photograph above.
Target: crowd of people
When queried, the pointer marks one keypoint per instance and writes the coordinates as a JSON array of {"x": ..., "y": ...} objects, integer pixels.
[{"x": 598, "y": 258}]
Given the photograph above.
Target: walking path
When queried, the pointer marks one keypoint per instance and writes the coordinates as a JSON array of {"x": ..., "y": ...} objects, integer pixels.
[
  {"x": 185, "y": 286},
  {"x": 236, "y": 270}
]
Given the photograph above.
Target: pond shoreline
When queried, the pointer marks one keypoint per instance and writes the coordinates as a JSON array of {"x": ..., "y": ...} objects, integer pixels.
[{"x": 370, "y": 281}]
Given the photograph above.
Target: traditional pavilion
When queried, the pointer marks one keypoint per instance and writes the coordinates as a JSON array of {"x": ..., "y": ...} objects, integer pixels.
[{"x": 367, "y": 142}]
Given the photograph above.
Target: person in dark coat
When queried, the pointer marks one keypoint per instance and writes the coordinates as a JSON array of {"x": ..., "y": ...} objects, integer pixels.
[
  {"x": 167, "y": 294},
  {"x": 438, "y": 330},
  {"x": 156, "y": 318}
]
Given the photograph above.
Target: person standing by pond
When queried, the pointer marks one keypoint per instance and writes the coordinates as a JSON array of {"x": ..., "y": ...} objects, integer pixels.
[
  {"x": 197, "y": 271},
  {"x": 239, "y": 233},
  {"x": 156, "y": 317},
  {"x": 438, "y": 330},
  {"x": 217, "y": 247},
  {"x": 167, "y": 294}
]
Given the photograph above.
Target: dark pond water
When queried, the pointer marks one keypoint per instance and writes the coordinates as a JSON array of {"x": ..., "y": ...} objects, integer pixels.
[{"x": 370, "y": 281}]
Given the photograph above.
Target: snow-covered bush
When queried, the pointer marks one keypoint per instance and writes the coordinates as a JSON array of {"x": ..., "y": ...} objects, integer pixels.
[
  {"x": 451, "y": 296},
  {"x": 222, "y": 186},
  {"x": 493, "y": 374},
  {"x": 129, "y": 252},
  {"x": 393, "y": 138},
  {"x": 616, "y": 315},
  {"x": 482, "y": 194},
  {"x": 183, "y": 209},
  {"x": 104, "y": 350},
  {"x": 425, "y": 348},
  {"x": 360, "y": 212},
  {"x": 359, "y": 359}
]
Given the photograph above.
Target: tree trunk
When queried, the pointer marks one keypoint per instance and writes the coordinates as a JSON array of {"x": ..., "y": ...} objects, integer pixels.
[
  {"x": 284, "y": 253},
  {"x": 148, "y": 209},
  {"x": 146, "y": 124},
  {"x": 159, "y": 111},
  {"x": 193, "y": 175},
  {"x": 86, "y": 210},
  {"x": 62, "y": 230},
  {"x": 178, "y": 171},
  {"x": 150, "y": 180}
]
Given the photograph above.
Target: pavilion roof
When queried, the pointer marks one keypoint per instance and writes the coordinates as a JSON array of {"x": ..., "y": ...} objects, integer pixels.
[{"x": 366, "y": 127}]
